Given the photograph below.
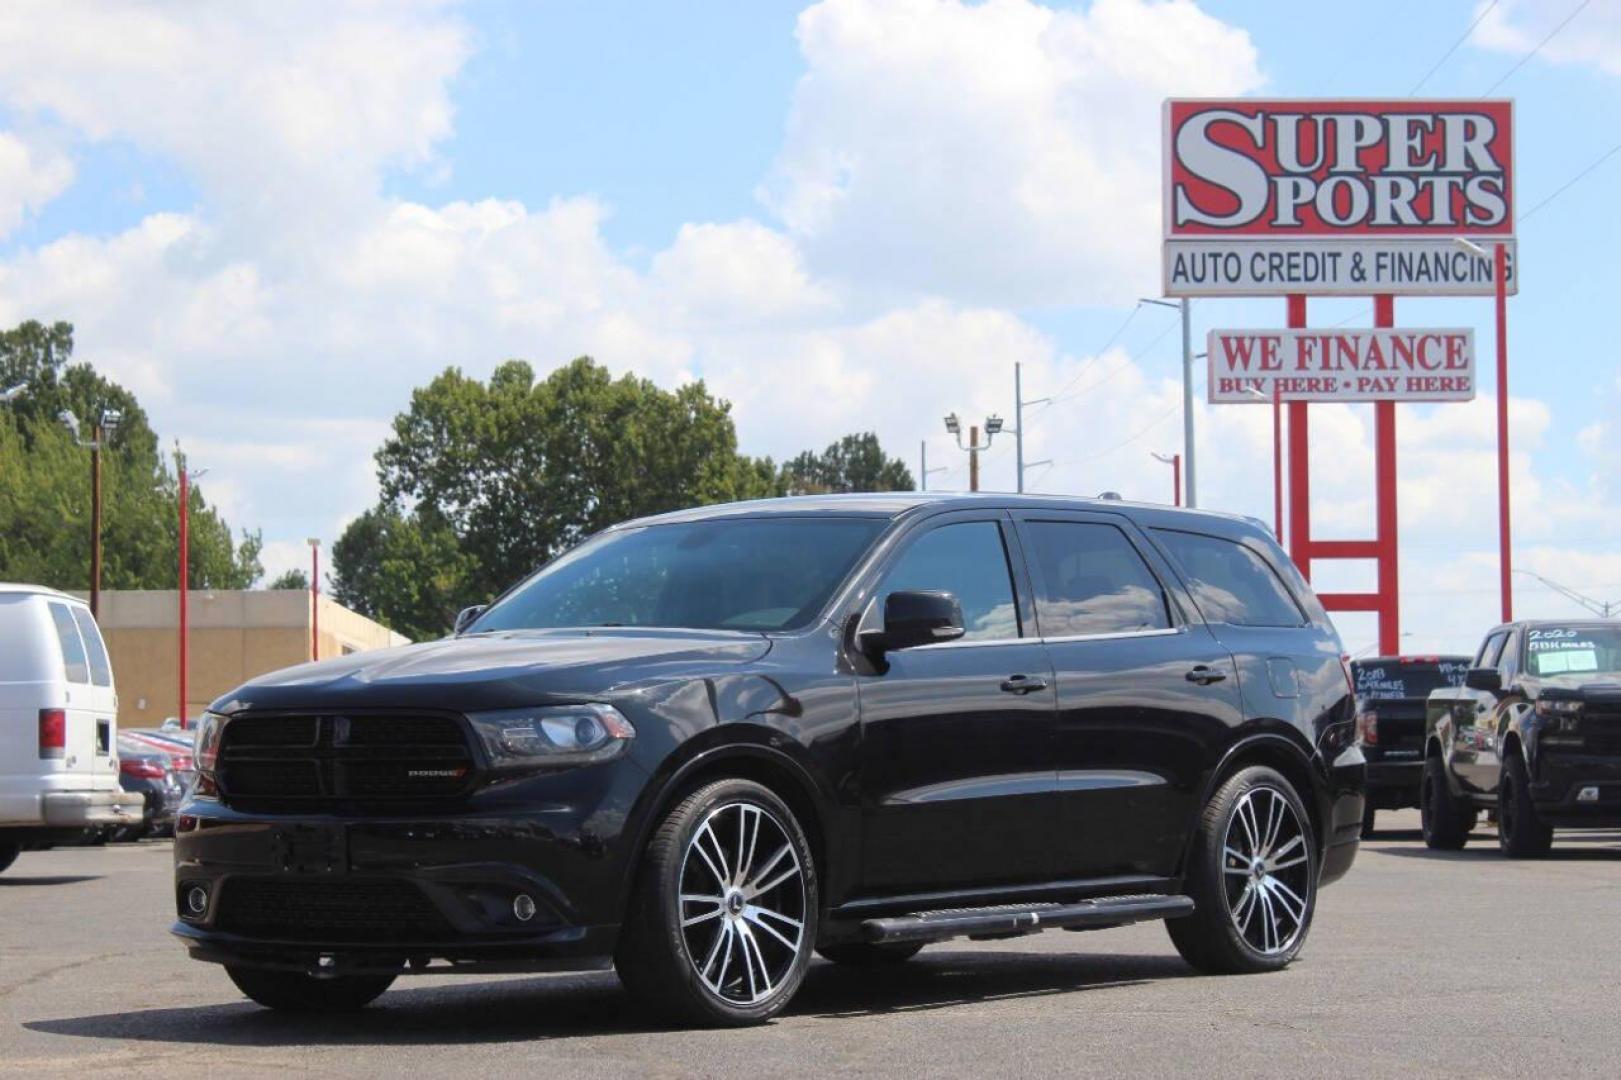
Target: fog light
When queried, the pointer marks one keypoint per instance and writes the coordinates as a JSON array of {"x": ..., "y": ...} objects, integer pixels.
[
  {"x": 1587, "y": 794},
  {"x": 523, "y": 906},
  {"x": 197, "y": 900}
]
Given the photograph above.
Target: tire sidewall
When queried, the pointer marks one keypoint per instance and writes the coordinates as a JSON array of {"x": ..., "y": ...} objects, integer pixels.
[
  {"x": 668, "y": 908},
  {"x": 1247, "y": 780}
]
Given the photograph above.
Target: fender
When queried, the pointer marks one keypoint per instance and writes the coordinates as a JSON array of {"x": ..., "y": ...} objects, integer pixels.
[
  {"x": 734, "y": 741},
  {"x": 1289, "y": 741}
]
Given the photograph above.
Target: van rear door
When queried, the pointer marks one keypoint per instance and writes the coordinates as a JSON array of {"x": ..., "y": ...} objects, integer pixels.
[{"x": 89, "y": 698}]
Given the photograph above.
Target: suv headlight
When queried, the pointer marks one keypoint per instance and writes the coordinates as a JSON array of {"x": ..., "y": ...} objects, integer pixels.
[
  {"x": 206, "y": 749},
  {"x": 552, "y": 736}
]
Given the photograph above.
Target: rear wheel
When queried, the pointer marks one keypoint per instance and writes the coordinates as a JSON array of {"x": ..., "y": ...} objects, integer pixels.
[
  {"x": 1252, "y": 876},
  {"x": 8, "y": 855},
  {"x": 1368, "y": 813},
  {"x": 1446, "y": 819},
  {"x": 294, "y": 991},
  {"x": 869, "y": 954},
  {"x": 723, "y": 913},
  {"x": 1520, "y": 832}
]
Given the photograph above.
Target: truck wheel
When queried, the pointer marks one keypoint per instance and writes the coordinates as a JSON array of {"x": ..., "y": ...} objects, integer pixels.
[
  {"x": 1252, "y": 875},
  {"x": 723, "y": 914},
  {"x": 1520, "y": 832},
  {"x": 1446, "y": 820},
  {"x": 8, "y": 855},
  {"x": 869, "y": 954},
  {"x": 1368, "y": 813},
  {"x": 294, "y": 991}
]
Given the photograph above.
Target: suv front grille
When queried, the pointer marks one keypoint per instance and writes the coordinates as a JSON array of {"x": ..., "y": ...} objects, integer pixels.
[
  {"x": 339, "y": 911},
  {"x": 341, "y": 759}
]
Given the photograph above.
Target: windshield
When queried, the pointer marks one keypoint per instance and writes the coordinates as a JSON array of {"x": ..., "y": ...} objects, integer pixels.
[
  {"x": 737, "y": 574},
  {"x": 1575, "y": 650},
  {"x": 1387, "y": 680}
]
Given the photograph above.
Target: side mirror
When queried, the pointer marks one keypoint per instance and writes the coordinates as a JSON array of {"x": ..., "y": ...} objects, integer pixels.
[
  {"x": 467, "y": 616},
  {"x": 1484, "y": 678},
  {"x": 915, "y": 618}
]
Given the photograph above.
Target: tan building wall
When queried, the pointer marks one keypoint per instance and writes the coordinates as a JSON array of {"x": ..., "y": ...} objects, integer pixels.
[{"x": 234, "y": 636}]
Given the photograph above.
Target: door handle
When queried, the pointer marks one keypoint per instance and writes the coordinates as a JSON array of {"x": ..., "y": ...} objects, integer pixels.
[
  {"x": 1023, "y": 684},
  {"x": 1204, "y": 675}
]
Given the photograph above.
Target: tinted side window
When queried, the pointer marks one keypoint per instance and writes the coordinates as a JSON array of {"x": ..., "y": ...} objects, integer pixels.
[
  {"x": 1093, "y": 581},
  {"x": 966, "y": 559},
  {"x": 67, "y": 636},
  {"x": 1231, "y": 583},
  {"x": 101, "y": 671}
]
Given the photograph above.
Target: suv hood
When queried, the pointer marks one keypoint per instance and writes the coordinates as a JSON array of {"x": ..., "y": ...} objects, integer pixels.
[{"x": 508, "y": 669}]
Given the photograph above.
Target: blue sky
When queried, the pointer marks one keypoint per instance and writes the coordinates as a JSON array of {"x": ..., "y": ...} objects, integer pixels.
[{"x": 850, "y": 215}]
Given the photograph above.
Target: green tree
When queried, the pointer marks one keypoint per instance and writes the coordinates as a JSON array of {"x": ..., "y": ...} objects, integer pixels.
[
  {"x": 45, "y": 483},
  {"x": 294, "y": 579},
  {"x": 482, "y": 482},
  {"x": 854, "y": 463}
]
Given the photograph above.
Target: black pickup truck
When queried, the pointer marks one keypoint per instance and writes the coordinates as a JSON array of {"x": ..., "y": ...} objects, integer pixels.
[
  {"x": 1390, "y": 700},
  {"x": 1534, "y": 734}
]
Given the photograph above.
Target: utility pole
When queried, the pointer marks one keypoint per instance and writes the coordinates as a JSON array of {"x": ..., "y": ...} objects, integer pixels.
[
  {"x": 923, "y": 465},
  {"x": 104, "y": 427},
  {"x": 1181, "y": 306},
  {"x": 1604, "y": 609},
  {"x": 1018, "y": 424},
  {"x": 973, "y": 457}
]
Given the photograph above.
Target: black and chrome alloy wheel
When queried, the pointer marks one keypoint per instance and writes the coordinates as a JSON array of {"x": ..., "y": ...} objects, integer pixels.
[
  {"x": 723, "y": 916},
  {"x": 742, "y": 903},
  {"x": 1267, "y": 870}
]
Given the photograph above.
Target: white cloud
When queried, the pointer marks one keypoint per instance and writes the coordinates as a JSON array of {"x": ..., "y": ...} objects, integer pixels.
[
  {"x": 1592, "y": 39},
  {"x": 30, "y": 177},
  {"x": 1003, "y": 152}
]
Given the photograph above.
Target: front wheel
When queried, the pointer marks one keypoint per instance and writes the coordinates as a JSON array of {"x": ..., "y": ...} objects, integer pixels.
[
  {"x": 294, "y": 991},
  {"x": 1520, "y": 832},
  {"x": 723, "y": 914},
  {"x": 1252, "y": 876},
  {"x": 1446, "y": 819}
]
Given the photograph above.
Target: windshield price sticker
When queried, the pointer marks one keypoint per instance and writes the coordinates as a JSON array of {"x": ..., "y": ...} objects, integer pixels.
[{"x": 1249, "y": 366}]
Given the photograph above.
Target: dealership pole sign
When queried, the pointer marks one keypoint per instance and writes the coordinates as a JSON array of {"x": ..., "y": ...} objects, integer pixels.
[
  {"x": 1254, "y": 366},
  {"x": 1272, "y": 198}
]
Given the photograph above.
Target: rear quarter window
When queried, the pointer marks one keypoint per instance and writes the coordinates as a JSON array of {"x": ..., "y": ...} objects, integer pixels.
[
  {"x": 75, "y": 664},
  {"x": 1230, "y": 582},
  {"x": 101, "y": 669}
]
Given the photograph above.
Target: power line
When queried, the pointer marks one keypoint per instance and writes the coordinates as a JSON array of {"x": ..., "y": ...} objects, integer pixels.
[
  {"x": 1121, "y": 329},
  {"x": 1560, "y": 190},
  {"x": 1551, "y": 35},
  {"x": 1455, "y": 45}
]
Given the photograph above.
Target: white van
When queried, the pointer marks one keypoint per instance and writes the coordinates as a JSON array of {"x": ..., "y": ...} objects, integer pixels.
[{"x": 58, "y": 723}]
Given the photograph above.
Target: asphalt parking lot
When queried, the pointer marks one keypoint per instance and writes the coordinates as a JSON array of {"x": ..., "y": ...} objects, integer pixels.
[{"x": 1418, "y": 964}]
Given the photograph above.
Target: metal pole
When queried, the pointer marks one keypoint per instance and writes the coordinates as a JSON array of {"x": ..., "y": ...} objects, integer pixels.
[
  {"x": 1176, "y": 478},
  {"x": 923, "y": 464},
  {"x": 1504, "y": 556},
  {"x": 185, "y": 583},
  {"x": 1018, "y": 426},
  {"x": 1384, "y": 464},
  {"x": 1187, "y": 404},
  {"x": 973, "y": 458},
  {"x": 95, "y": 520},
  {"x": 315, "y": 600},
  {"x": 1277, "y": 459}
]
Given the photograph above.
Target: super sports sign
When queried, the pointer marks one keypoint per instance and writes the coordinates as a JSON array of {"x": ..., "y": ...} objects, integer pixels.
[{"x": 1266, "y": 198}]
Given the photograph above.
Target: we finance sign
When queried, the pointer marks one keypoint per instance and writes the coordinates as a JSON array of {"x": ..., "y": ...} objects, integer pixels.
[
  {"x": 1250, "y": 366},
  {"x": 1267, "y": 198}
]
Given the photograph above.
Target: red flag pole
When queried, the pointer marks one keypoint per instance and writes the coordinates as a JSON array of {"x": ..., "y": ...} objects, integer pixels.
[
  {"x": 185, "y": 579},
  {"x": 1504, "y": 556}
]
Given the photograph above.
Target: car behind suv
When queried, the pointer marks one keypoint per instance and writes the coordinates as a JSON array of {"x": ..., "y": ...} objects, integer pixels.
[
  {"x": 702, "y": 746},
  {"x": 1390, "y": 700}
]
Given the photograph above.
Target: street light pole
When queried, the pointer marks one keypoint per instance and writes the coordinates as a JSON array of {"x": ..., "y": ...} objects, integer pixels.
[
  {"x": 1018, "y": 426},
  {"x": 1505, "y": 557},
  {"x": 1175, "y": 462},
  {"x": 993, "y": 426},
  {"x": 1189, "y": 454}
]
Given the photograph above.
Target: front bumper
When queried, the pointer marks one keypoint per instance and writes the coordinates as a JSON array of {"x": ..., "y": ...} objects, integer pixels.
[
  {"x": 83, "y": 809},
  {"x": 1560, "y": 781},
  {"x": 335, "y": 893}
]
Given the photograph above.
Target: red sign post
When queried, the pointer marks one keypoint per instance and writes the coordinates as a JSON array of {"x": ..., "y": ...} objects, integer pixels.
[{"x": 1333, "y": 198}]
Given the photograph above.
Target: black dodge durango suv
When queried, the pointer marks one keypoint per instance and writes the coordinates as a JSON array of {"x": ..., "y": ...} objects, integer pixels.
[{"x": 702, "y": 746}]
